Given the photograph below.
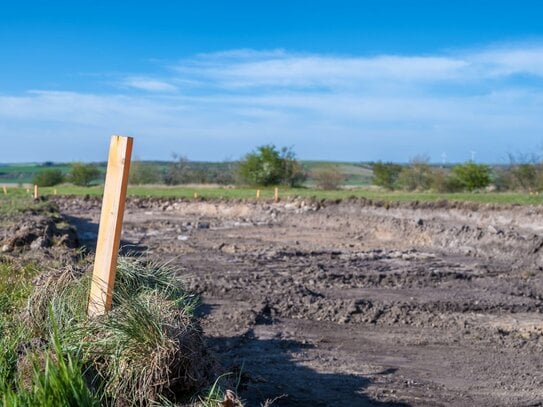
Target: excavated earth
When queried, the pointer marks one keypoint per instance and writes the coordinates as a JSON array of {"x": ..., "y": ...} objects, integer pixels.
[{"x": 356, "y": 303}]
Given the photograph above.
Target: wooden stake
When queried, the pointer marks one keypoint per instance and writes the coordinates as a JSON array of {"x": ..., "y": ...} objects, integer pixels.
[
  {"x": 276, "y": 195},
  {"x": 35, "y": 192},
  {"x": 258, "y": 194},
  {"x": 111, "y": 220},
  {"x": 55, "y": 191},
  {"x": 5, "y": 190},
  {"x": 196, "y": 195}
]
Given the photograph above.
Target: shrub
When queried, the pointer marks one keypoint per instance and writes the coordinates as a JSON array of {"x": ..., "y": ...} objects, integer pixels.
[
  {"x": 417, "y": 175},
  {"x": 329, "y": 177},
  {"x": 143, "y": 173},
  {"x": 386, "y": 174},
  {"x": 48, "y": 178},
  {"x": 268, "y": 166},
  {"x": 293, "y": 173},
  {"x": 471, "y": 175},
  {"x": 83, "y": 174},
  {"x": 443, "y": 181}
]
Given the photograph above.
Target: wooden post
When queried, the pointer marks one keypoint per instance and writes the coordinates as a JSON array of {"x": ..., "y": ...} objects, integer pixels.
[
  {"x": 258, "y": 194},
  {"x": 36, "y": 192},
  {"x": 55, "y": 191},
  {"x": 276, "y": 195},
  {"x": 5, "y": 190},
  {"x": 196, "y": 195},
  {"x": 111, "y": 220}
]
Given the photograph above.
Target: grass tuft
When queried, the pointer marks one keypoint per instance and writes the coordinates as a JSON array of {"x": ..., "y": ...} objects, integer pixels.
[{"x": 148, "y": 348}]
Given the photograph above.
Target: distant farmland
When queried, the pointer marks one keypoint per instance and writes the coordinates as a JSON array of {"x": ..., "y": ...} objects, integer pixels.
[{"x": 356, "y": 174}]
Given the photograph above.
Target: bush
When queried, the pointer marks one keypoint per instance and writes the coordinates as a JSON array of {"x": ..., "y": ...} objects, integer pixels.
[
  {"x": 471, "y": 175},
  {"x": 268, "y": 166},
  {"x": 143, "y": 173},
  {"x": 83, "y": 174},
  {"x": 48, "y": 178},
  {"x": 329, "y": 177},
  {"x": 386, "y": 174},
  {"x": 443, "y": 181},
  {"x": 293, "y": 173},
  {"x": 417, "y": 175}
]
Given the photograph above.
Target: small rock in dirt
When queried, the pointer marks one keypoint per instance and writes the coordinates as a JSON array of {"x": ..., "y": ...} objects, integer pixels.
[
  {"x": 182, "y": 237},
  {"x": 39, "y": 243},
  {"x": 5, "y": 248},
  {"x": 228, "y": 248},
  {"x": 203, "y": 225}
]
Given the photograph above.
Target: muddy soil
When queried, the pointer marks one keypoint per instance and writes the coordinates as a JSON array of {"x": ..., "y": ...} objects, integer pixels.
[{"x": 357, "y": 303}]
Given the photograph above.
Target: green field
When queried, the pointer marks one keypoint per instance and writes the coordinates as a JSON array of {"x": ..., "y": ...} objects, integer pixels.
[
  {"x": 24, "y": 173},
  {"x": 267, "y": 194},
  {"x": 356, "y": 174}
]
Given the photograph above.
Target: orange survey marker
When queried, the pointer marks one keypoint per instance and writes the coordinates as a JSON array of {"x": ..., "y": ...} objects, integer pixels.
[{"x": 111, "y": 220}]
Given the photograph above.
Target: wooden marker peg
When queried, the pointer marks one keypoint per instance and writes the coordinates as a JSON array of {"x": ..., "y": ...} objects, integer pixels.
[
  {"x": 36, "y": 192},
  {"x": 109, "y": 231},
  {"x": 276, "y": 195},
  {"x": 258, "y": 194}
]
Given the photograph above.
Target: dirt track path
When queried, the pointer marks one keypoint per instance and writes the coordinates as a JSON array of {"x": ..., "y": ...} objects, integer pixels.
[{"x": 354, "y": 305}]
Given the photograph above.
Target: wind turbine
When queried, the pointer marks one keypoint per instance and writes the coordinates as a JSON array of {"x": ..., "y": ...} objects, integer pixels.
[{"x": 473, "y": 155}]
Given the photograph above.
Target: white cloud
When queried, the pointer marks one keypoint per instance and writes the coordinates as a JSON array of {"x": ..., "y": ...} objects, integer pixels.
[
  {"x": 330, "y": 106},
  {"x": 148, "y": 84}
]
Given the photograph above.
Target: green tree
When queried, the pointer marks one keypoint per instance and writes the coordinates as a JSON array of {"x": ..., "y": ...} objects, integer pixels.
[
  {"x": 329, "y": 177},
  {"x": 268, "y": 166},
  {"x": 293, "y": 173},
  {"x": 386, "y": 174},
  {"x": 417, "y": 175},
  {"x": 83, "y": 174},
  {"x": 471, "y": 175},
  {"x": 48, "y": 178},
  {"x": 143, "y": 173}
]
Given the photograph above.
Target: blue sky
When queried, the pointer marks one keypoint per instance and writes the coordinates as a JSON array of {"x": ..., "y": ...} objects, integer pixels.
[{"x": 211, "y": 80}]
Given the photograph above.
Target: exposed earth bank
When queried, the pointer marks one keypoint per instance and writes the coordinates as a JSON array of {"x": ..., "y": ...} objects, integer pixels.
[{"x": 356, "y": 303}]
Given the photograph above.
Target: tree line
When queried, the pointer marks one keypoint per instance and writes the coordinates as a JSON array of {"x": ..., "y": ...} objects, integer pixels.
[
  {"x": 268, "y": 165},
  {"x": 519, "y": 174}
]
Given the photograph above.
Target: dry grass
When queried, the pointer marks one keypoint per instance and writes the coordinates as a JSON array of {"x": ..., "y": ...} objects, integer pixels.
[{"x": 148, "y": 349}]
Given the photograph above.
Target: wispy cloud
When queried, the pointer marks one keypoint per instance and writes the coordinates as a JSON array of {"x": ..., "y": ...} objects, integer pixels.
[
  {"x": 329, "y": 106},
  {"x": 148, "y": 84}
]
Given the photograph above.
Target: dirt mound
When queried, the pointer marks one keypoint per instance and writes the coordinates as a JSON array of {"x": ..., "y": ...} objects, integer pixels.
[{"x": 37, "y": 232}]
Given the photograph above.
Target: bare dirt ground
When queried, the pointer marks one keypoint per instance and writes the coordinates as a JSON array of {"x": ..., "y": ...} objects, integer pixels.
[{"x": 357, "y": 303}]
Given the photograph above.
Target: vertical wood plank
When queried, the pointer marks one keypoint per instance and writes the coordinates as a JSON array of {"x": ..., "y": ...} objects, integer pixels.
[
  {"x": 109, "y": 231},
  {"x": 258, "y": 194},
  {"x": 276, "y": 195},
  {"x": 36, "y": 192},
  {"x": 5, "y": 190}
]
